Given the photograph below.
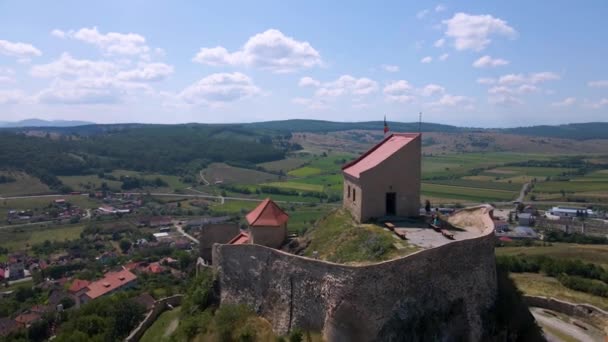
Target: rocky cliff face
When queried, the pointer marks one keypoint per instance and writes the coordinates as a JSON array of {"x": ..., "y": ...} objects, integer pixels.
[{"x": 435, "y": 294}]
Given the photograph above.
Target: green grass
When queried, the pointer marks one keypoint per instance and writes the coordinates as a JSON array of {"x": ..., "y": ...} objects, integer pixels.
[
  {"x": 233, "y": 207},
  {"x": 466, "y": 194},
  {"x": 27, "y": 283},
  {"x": 557, "y": 186},
  {"x": 305, "y": 171},
  {"x": 160, "y": 330},
  {"x": 24, "y": 184},
  {"x": 40, "y": 205},
  {"x": 286, "y": 164},
  {"x": 295, "y": 186},
  {"x": 535, "y": 284},
  {"x": 89, "y": 183},
  {"x": 20, "y": 238},
  {"x": 236, "y": 175},
  {"x": 331, "y": 163},
  {"x": 337, "y": 238},
  {"x": 478, "y": 184},
  {"x": 597, "y": 254},
  {"x": 303, "y": 218}
]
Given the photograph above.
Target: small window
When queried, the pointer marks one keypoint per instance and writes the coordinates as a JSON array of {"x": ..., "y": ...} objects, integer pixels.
[
  {"x": 349, "y": 191},
  {"x": 354, "y": 195}
]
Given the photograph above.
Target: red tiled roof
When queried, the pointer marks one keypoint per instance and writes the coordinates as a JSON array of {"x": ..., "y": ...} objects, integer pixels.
[
  {"x": 131, "y": 266},
  {"x": 154, "y": 268},
  {"x": 27, "y": 318},
  {"x": 111, "y": 282},
  {"x": 241, "y": 238},
  {"x": 505, "y": 239},
  {"x": 378, "y": 153},
  {"x": 78, "y": 285},
  {"x": 267, "y": 213}
]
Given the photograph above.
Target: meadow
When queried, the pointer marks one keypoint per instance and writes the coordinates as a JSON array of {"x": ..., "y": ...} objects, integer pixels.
[
  {"x": 15, "y": 239},
  {"x": 23, "y": 184},
  {"x": 597, "y": 254}
]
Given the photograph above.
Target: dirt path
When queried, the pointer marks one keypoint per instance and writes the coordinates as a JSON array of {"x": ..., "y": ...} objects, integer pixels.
[
  {"x": 565, "y": 329},
  {"x": 171, "y": 327}
]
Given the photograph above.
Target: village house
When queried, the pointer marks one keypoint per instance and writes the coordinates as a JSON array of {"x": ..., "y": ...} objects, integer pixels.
[
  {"x": 267, "y": 224},
  {"x": 8, "y": 326},
  {"x": 110, "y": 283},
  {"x": 500, "y": 225},
  {"x": 26, "y": 319},
  {"x": 385, "y": 181}
]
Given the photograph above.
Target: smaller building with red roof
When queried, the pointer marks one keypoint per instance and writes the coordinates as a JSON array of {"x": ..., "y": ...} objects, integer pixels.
[
  {"x": 268, "y": 224},
  {"x": 110, "y": 283},
  {"x": 241, "y": 239},
  {"x": 78, "y": 285}
]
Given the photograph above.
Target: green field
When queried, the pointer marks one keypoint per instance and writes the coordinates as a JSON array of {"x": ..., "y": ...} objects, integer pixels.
[
  {"x": 286, "y": 164},
  {"x": 89, "y": 183},
  {"x": 234, "y": 207},
  {"x": 478, "y": 184},
  {"x": 466, "y": 194},
  {"x": 535, "y": 284},
  {"x": 24, "y": 184},
  {"x": 597, "y": 254},
  {"x": 303, "y": 218},
  {"x": 571, "y": 186},
  {"x": 236, "y": 175},
  {"x": 530, "y": 171},
  {"x": 305, "y": 171},
  {"x": 163, "y": 327},
  {"x": 295, "y": 186},
  {"x": 19, "y": 238}
]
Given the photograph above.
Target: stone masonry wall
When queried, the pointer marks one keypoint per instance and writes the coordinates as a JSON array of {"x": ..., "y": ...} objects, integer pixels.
[{"x": 435, "y": 294}]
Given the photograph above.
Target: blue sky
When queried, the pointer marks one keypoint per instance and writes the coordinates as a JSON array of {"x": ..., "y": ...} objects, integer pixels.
[{"x": 473, "y": 63}]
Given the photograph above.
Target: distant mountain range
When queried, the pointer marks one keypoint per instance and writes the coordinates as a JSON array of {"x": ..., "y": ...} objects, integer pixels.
[
  {"x": 44, "y": 123},
  {"x": 577, "y": 131}
]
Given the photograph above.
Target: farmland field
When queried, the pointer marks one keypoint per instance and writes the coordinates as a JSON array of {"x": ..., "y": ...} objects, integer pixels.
[
  {"x": 535, "y": 284},
  {"x": 287, "y": 164},
  {"x": 18, "y": 238},
  {"x": 24, "y": 184},
  {"x": 478, "y": 184},
  {"x": 230, "y": 174},
  {"x": 295, "y": 186},
  {"x": 597, "y": 254},
  {"x": 39, "y": 204},
  {"x": 466, "y": 194},
  {"x": 305, "y": 171},
  {"x": 89, "y": 183},
  {"x": 570, "y": 186}
]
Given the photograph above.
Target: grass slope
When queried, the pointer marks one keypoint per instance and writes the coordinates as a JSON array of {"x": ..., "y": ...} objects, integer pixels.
[
  {"x": 163, "y": 327},
  {"x": 24, "y": 184},
  {"x": 338, "y": 238},
  {"x": 597, "y": 254}
]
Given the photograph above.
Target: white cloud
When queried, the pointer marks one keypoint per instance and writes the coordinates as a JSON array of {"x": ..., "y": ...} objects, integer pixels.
[
  {"x": 432, "y": 89},
  {"x": 270, "y": 50},
  {"x": 527, "y": 88},
  {"x": 58, "y": 33},
  {"x": 19, "y": 50},
  {"x": 11, "y": 96},
  {"x": 85, "y": 91},
  {"x": 444, "y": 57},
  {"x": 533, "y": 78},
  {"x": 473, "y": 32},
  {"x": 220, "y": 88},
  {"x": 390, "y": 68},
  {"x": 66, "y": 65},
  {"x": 597, "y": 105},
  {"x": 486, "y": 80},
  {"x": 6, "y": 75},
  {"x": 421, "y": 14},
  {"x": 598, "y": 84},
  {"x": 439, "y": 42},
  {"x": 111, "y": 43},
  {"x": 347, "y": 84},
  {"x": 487, "y": 61},
  {"x": 440, "y": 8},
  {"x": 150, "y": 72},
  {"x": 399, "y": 91},
  {"x": 427, "y": 59},
  {"x": 568, "y": 101},
  {"x": 448, "y": 100},
  {"x": 308, "y": 82}
]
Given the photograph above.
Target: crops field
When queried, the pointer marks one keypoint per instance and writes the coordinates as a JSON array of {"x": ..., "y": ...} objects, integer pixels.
[
  {"x": 305, "y": 171},
  {"x": 236, "y": 175},
  {"x": 535, "y": 284},
  {"x": 19, "y": 238},
  {"x": 295, "y": 186},
  {"x": 285, "y": 165},
  {"x": 597, "y": 254},
  {"x": 24, "y": 184},
  {"x": 466, "y": 194},
  {"x": 478, "y": 184}
]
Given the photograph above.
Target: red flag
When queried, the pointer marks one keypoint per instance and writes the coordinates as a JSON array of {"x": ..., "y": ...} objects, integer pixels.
[{"x": 385, "y": 125}]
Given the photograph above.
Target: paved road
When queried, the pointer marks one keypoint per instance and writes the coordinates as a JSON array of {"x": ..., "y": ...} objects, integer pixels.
[
  {"x": 564, "y": 327},
  {"x": 181, "y": 231}
]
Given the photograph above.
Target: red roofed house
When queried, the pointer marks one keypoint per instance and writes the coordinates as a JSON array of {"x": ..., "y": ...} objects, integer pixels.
[
  {"x": 112, "y": 282},
  {"x": 385, "y": 181},
  {"x": 240, "y": 239},
  {"x": 268, "y": 224},
  {"x": 78, "y": 286},
  {"x": 27, "y": 318}
]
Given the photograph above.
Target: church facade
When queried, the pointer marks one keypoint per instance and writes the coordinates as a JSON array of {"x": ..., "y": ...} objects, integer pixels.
[{"x": 385, "y": 181}]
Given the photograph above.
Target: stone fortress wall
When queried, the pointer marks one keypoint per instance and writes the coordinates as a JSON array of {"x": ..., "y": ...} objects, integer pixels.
[{"x": 443, "y": 293}]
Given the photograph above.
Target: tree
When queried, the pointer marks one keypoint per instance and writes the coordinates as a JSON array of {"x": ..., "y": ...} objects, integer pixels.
[{"x": 125, "y": 245}]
